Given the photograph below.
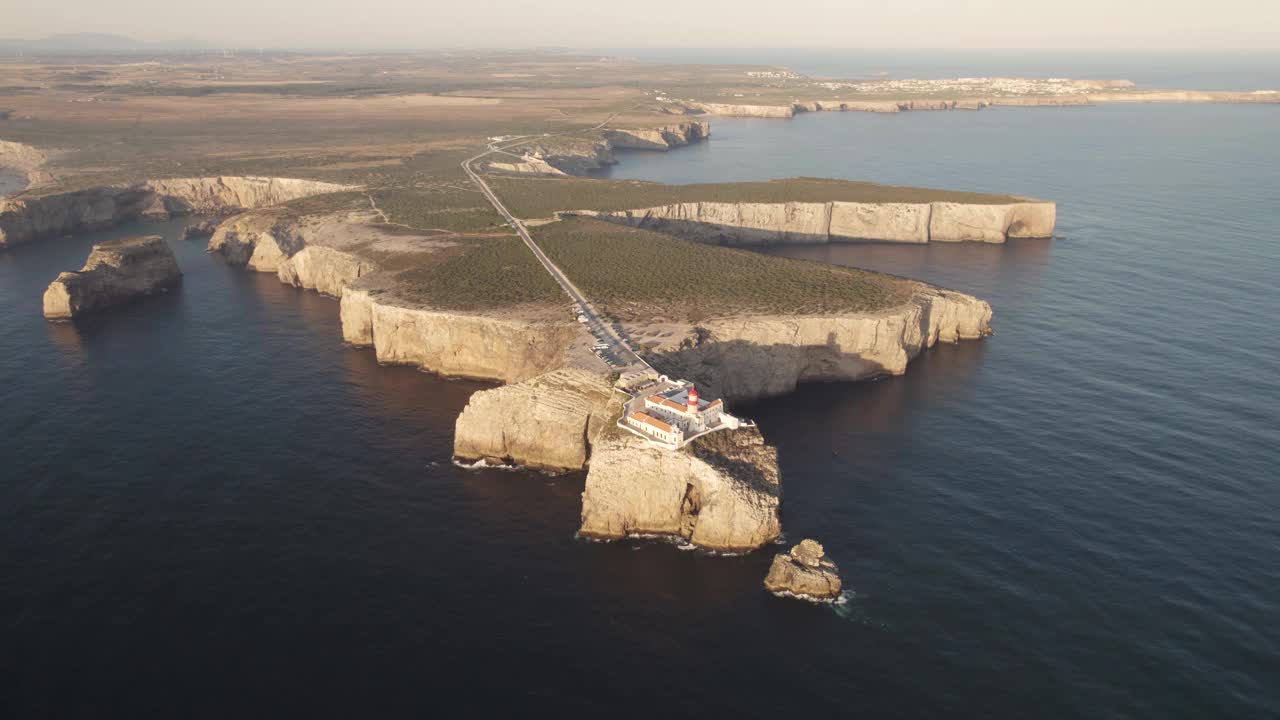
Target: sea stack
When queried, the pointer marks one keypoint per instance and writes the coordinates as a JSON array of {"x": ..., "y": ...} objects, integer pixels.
[
  {"x": 117, "y": 271},
  {"x": 804, "y": 572}
]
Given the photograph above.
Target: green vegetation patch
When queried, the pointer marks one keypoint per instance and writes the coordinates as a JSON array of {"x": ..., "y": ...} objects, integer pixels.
[
  {"x": 328, "y": 202},
  {"x": 539, "y": 197},
  {"x": 637, "y": 275},
  {"x": 487, "y": 273},
  {"x": 455, "y": 206}
]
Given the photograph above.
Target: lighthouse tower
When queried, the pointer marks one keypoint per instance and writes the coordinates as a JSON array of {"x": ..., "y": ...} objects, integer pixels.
[{"x": 695, "y": 420}]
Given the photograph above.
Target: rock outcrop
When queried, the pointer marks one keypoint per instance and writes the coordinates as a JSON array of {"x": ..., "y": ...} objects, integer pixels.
[
  {"x": 547, "y": 422},
  {"x": 323, "y": 269},
  {"x": 204, "y": 228},
  {"x": 1086, "y": 95},
  {"x": 579, "y": 157},
  {"x": 721, "y": 492},
  {"x": 747, "y": 358},
  {"x": 23, "y": 219},
  {"x": 501, "y": 346},
  {"x": 805, "y": 572},
  {"x": 771, "y": 223},
  {"x": 116, "y": 271}
]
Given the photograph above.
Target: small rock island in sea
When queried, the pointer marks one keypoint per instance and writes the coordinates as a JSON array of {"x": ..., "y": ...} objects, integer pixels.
[
  {"x": 117, "y": 271},
  {"x": 805, "y": 572}
]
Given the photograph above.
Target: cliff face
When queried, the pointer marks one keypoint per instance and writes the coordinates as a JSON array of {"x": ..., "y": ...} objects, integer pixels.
[
  {"x": 323, "y": 269},
  {"x": 755, "y": 357},
  {"x": 739, "y": 110},
  {"x": 770, "y": 223},
  {"x": 229, "y": 194},
  {"x": 720, "y": 493},
  {"x": 499, "y": 346},
  {"x": 658, "y": 138},
  {"x": 547, "y": 422},
  {"x": 578, "y": 158},
  {"x": 116, "y": 271},
  {"x": 23, "y": 219},
  {"x": 23, "y": 163},
  {"x": 259, "y": 241}
]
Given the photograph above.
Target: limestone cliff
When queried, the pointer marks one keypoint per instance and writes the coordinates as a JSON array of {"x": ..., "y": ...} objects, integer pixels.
[
  {"x": 23, "y": 219},
  {"x": 115, "y": 272},
  {"x": 747, "y": 358},
  {"x": 260, "y": 241},
  {"x": 24, "y": 164},
  {"x": 547, "y": 422},
  {"x": 737, "y": 358},
  {"x": 738, "y": 110},
  {"x": 794, "y": 222},
  {"x": 721, "y": 492},
  {"x": 324, "y": 269},
  {"x": 577, "y": 156},
  {"x": 505, "y": 346}
]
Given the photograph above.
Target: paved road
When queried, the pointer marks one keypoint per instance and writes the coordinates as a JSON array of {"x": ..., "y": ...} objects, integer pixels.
[{"x": 618, "y": 354}]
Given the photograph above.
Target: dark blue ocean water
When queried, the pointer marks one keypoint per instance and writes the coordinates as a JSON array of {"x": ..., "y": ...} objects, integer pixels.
[{"x": 209, "y": 507}]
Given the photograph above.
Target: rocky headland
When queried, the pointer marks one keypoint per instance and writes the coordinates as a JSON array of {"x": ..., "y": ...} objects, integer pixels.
[
  {"x": 25, "y": 218},
  {"x": 578, "y": 156},
  {"x": 116, "y": 271},
  {"x": 800, "y": 222},
  {"x": 557, "y": 407}
]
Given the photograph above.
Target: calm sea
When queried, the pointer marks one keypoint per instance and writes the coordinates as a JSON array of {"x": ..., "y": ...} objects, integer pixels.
[{"x": 209, "y": 507}]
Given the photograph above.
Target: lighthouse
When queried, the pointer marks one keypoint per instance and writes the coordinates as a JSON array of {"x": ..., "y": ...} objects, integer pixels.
[{"x": 691, "y": 411}]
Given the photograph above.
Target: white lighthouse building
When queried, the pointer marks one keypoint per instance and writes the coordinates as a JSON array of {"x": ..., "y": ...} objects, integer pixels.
[{"x": 671, "y": 413}]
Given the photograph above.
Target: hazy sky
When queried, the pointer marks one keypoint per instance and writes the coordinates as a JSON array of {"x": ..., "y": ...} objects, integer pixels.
[{"x": 1109, "y": 24}]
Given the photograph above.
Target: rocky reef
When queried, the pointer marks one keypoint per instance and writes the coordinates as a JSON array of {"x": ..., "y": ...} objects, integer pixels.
[
  {"x": 805, "y": 572},
  {"x": 721, "y": 492},
  {"x": 24, "y": 219},
  {"x": 117, "y": 271},
  {"x": 797, "y": 222},
  {"x": 580, "y": 156}
]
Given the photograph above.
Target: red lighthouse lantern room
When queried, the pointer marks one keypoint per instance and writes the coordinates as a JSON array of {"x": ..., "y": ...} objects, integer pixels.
[{"x": 693, "y": 399}]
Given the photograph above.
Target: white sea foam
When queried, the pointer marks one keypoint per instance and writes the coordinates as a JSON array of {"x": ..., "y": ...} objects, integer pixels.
[
  {"x": 482, "y": 464},
  {"x": 840, "y": 599}
]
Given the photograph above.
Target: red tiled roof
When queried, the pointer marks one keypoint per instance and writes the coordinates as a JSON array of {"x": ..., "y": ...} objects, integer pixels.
[
  {"x": 648, "y": 419},
  {"x": 667, "y": 403}
]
